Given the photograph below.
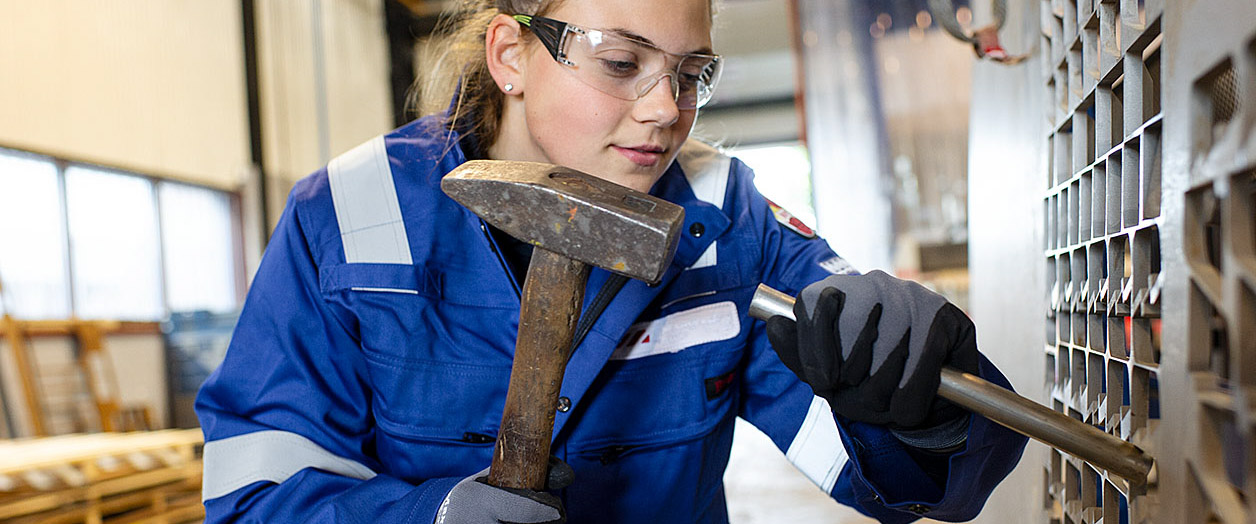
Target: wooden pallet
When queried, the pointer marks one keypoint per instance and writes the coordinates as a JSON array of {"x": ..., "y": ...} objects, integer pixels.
[
  {"x": 84, "y": 394},
  {"x": 102, "y": 478}
]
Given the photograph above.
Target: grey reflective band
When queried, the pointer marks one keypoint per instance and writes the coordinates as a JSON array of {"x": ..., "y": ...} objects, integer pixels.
[
  {"x": 273, "y": 456},
  {"x": 706, "y": 169},
  {"x": 817, "y": 447},
  {"x": 367, "y": 210}
]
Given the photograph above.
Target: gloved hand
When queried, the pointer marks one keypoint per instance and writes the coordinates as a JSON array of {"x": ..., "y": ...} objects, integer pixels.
[
  {"x": 874, "y": 346},
  {"x": 472, "y": 501}
]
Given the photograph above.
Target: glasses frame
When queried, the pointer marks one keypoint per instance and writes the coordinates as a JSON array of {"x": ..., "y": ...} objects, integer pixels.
[{"x": 553, "y": 34}]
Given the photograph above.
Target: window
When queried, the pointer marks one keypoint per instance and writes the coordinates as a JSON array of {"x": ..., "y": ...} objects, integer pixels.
[
  {"x": 196, "y": 235},
  {"x": 113, "y": 245},
  {"x": 32, "y": 239},
  {"x": 95, "y": 243}
]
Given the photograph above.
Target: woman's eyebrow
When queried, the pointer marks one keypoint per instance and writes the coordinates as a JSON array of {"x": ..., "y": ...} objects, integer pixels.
[{"x": 643, "y": 40}]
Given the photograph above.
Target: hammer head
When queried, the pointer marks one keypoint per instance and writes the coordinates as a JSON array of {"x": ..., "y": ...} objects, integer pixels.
[{"x": 571, "y": 213}]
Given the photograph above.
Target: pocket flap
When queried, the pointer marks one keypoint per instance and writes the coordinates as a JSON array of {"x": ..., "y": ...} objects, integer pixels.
[{"x": 396, "y": 278}]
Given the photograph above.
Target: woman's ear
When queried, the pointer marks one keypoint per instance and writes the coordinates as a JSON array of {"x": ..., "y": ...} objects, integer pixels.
[{"x": 505, "y": 48}]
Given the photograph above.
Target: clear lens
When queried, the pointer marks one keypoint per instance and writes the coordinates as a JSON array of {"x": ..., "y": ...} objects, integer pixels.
[{"x": 628, "y": 69}]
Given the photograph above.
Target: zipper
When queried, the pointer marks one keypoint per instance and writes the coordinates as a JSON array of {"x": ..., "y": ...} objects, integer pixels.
[
  {"x": 613, "y": 453},
  {"x": 477, "y": 438},
  {"x": 609, "y": 289},
  {"x": 501, "y": 260},
  {"x": 687, "y": 297}
]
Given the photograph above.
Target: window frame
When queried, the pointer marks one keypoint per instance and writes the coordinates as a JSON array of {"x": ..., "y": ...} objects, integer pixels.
[{"x": 236, "y": 226}]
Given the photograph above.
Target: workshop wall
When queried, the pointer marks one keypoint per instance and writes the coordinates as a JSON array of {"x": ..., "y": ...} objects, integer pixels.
[
  {"x": 151, "y": 87},
  {"x": 1005, "y": 254},
  {"x": 323, "y": 68},
  {"x": 159, "y": 88}
]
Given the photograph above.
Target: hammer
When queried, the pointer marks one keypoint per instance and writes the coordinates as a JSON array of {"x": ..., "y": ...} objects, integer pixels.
[{"x": 574, "y": 220}]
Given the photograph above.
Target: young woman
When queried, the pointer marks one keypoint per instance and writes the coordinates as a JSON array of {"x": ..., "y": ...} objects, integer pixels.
[{"x": 366, "y": 377}]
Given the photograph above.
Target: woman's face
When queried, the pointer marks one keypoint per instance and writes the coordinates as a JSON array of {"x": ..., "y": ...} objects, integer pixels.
[{"x": 627, "y": 142}]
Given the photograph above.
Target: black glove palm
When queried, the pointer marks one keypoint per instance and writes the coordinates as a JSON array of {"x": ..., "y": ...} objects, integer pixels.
[{"x": 874, "y": 346}]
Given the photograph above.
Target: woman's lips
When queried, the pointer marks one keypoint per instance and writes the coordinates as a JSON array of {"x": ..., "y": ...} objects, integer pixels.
[{"x": 641, "y": 157}]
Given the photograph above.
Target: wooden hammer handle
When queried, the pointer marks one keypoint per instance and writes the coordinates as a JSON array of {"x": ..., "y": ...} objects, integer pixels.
[{"x": 552, "y": 297}]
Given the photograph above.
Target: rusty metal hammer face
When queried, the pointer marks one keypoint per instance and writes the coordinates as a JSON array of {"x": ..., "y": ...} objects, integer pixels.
[
  {"x": 572, "y": 214},
  {"x": 575, "y": 220}
]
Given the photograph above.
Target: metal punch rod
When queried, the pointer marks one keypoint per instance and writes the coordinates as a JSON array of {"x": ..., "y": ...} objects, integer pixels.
[{"x": 1013, "y": 411}]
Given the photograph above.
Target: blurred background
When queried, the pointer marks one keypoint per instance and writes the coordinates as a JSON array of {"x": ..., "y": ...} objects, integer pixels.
[{"x": 146, "y": 150}]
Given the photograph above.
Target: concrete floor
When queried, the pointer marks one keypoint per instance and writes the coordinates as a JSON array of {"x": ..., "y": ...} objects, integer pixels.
[{"x": 764, "y": 488}]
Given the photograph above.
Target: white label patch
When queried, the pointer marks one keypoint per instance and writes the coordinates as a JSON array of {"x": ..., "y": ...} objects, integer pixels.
[
  {"x": 837, "y": 266},
  {"x": 677, "y": 331}
]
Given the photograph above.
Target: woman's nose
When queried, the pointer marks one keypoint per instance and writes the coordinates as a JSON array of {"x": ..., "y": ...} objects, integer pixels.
[{"x": 658, "y": 106}]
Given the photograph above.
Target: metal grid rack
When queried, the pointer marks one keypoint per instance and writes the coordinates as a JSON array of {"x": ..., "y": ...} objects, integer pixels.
[
  {"x": 1218, "y": 77},
  {"x": 1102, "y": 233}
]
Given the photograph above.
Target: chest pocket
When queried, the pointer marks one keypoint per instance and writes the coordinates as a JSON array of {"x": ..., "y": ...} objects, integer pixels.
[
  {"x": 669, "y": 379},
  {"x": 662, "y": 409},
  {"x": 438, "y": 368},
  {"x": 411, "y": 312}
]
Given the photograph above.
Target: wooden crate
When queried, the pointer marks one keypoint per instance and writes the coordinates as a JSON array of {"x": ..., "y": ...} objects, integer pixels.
[{"x": 151, "y": 477}]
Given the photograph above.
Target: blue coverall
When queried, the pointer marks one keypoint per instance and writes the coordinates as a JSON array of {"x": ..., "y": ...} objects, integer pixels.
[{"x": 369, "y": 367}]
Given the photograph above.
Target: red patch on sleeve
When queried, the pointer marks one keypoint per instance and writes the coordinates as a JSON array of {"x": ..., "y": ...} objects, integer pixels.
[{"x": 790, "y": 221}]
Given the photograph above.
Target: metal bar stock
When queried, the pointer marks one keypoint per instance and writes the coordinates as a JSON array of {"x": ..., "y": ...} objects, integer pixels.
[{"x": 1013, "y": 411}]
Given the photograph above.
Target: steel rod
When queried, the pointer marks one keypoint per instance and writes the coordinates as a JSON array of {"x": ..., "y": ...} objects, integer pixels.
[{"x": 1008, "y": 409}]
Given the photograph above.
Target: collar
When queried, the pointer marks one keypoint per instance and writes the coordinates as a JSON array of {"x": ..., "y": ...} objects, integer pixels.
[{"x": 704, "y": 220}]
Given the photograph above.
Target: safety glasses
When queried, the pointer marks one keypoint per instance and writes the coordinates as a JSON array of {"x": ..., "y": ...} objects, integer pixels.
[{"x": 623, "y": 67}]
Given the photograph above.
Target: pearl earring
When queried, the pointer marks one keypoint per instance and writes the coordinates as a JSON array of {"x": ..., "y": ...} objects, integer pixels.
[{"x": 509, "y": 87}]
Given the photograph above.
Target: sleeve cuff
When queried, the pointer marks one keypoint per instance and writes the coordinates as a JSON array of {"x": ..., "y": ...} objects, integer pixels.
[
  {"x": 431, "y": 494},
  {"x": 947, "y": 436}
]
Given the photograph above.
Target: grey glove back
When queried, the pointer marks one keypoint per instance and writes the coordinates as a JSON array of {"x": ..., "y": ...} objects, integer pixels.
[
  {"x": 874, "y": 346},
  {"x": 474, "y": 502},
  {"x": 903, "y": 304}
]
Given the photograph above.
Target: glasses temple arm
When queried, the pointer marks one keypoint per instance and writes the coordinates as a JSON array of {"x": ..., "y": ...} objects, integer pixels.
[{"x": 549, "y": 31}]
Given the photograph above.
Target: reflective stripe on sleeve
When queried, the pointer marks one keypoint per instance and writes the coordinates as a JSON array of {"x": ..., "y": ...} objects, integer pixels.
[
  {"x": 817, "y": 448},
  {"x": 367, "y": 209},
  {"x": 274, "y": 456}
]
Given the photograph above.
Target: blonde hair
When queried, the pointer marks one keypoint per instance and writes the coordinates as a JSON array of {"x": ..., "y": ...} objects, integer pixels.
[{"x": 456, "y": 65}]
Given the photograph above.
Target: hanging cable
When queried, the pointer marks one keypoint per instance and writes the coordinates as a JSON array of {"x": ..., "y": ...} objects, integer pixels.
[{"x": 985, "y": 41}]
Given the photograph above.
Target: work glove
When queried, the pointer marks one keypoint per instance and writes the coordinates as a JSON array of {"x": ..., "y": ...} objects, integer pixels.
[
  {"x": 874, "y": 346},
  {"x": 473, "y": 501}
]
